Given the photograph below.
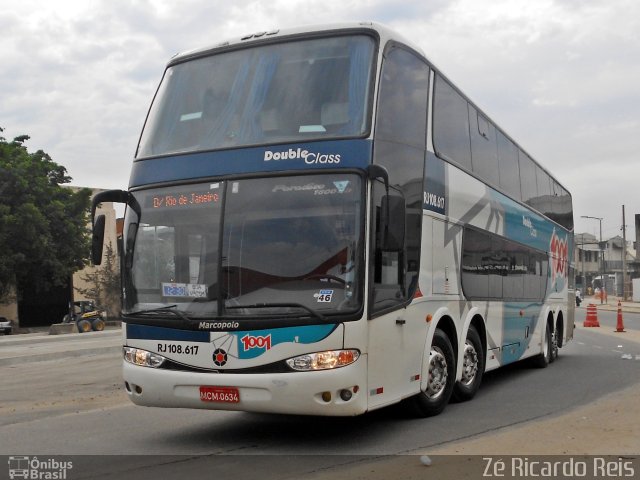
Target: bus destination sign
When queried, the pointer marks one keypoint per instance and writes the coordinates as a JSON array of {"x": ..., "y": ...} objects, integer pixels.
[{"x": 184, "y": 199}]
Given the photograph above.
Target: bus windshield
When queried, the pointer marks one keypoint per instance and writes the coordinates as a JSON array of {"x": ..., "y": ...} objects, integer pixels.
[
  {"x": 274, "y": 246},
  {"x": 283, "y": 92}
]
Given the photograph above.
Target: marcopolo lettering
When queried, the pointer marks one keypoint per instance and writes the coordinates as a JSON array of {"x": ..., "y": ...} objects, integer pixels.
[
  {"x": 218, "y": 325},
  {"x": 301, "y": 154}
]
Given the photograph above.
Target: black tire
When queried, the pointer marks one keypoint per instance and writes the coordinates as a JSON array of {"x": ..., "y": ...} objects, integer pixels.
[
  {"x": 554, "y": 350},
  {"x": 441, "y": 378},
  {"x": 97, "y": 324},
  {"x": 84, "y": 326},
  {"x": 472, "y": 368},
  {"x": 543, "y": 359}
]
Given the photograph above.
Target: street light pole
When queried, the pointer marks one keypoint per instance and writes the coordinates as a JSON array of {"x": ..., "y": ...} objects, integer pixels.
[
  {"x": 624, "y": 256},
  {"x": 602, "y": 282}
]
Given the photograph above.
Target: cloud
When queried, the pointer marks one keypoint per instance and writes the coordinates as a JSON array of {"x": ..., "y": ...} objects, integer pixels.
[{"x": 559, "y": 76}]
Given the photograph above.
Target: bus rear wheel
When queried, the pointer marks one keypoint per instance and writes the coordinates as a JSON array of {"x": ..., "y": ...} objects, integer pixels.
[
  {"x": 553, "y": 353},
  {"x": 472, "y": 367},
  {"x": 543, "y": 359},
  {"x": 441, "y": 377}
]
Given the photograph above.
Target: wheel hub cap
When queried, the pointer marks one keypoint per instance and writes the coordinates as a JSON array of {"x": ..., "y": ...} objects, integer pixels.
[
  {"x": 469, "y": 364},
  {"x": 437, "y": 373}
]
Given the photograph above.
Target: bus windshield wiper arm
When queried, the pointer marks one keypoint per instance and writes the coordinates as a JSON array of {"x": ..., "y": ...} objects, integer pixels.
[
  {"x": 166, "y": 308},
  {"x": 313, "y": 313}
]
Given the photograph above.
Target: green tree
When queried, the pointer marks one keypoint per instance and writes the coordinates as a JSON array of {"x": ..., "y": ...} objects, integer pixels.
[{"x": 43, "y": 226}]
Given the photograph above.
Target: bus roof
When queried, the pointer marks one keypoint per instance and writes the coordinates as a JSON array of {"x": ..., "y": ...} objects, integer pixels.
[{"x": 383, "y": 32}]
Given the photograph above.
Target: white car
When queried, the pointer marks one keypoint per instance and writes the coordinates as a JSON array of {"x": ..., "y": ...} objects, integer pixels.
[{"x": 6, "y": 326}]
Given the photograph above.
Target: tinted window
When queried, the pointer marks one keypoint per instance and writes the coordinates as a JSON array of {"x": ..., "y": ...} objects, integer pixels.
[
  {"x": 451, "y": 125},
  {"x": 528, "y": 180},
  {"x": 484, "y": 148},
  {"x": 494, "y": 267},
  {"x": 404, "y": 88},
  {"x": 543, "y": 203},
  {"x": 508, "y": 164},
  {"x": 561, "y": 208},
  {"x": 400, "y": 144},
  {"x": 294, "y": 239},
  {"x": 475, "y": 269},
  {"x": 284, "y": 92}
]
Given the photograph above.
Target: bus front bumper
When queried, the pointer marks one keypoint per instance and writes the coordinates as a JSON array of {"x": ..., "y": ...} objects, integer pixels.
[{"x": 299, "y": 393}]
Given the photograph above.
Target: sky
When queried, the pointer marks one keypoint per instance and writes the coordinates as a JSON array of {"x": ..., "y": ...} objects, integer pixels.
[{"x": 562, "y": 77}]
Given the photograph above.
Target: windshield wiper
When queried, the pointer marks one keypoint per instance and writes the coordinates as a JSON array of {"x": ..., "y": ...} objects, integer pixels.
[
  {"x": 313, "y": 313},
  {"x": 166, "y": 308}
]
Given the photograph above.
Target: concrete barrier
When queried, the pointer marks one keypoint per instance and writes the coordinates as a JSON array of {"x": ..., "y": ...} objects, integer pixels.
[{"x": 63, "y": 328}]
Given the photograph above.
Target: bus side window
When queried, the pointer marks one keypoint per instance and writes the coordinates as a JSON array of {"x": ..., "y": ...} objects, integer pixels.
[
  {"x": 400, "y": 147},
  {"x": 389, "y": 260}
]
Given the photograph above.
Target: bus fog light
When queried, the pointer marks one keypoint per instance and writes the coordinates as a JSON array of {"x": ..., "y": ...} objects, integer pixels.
[
  {"x": 326, "y": 396},
  {"x": 143, "y": 358},
  {"x": 346, "y": 394},
  {"x": 323, "y": 360}
]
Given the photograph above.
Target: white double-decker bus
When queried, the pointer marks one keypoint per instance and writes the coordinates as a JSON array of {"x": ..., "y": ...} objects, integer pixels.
[{"x": 319, "y": 222}]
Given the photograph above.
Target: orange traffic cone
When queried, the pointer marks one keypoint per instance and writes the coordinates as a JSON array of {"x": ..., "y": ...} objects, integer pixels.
[
  {"x": 620, "y": 325},
  {"x": 592, "y": 316}
]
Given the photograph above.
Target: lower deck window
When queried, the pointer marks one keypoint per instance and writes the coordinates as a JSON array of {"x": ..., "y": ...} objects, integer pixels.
[{"x": 494, "y": 267}]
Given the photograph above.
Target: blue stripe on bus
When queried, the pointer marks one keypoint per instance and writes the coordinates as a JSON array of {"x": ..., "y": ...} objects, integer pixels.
[
  {"x": 305, "y": 334},
  {"x": 331, "y": 154},
  {"x": 515, "y": 328},
  {"x": 526, "y": 226},
  {"x": 529, "y": 228},
  {"x": 146, "y": 332}
]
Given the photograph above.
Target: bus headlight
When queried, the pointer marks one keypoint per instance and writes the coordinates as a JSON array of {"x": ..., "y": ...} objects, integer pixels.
[
  {"x": 143, "y": 358},
  {"x": 323, "y": 360}
]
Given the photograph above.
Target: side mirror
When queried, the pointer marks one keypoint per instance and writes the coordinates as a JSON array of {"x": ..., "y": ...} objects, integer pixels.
[
  {"x": 392, "y": 223},
  {"x": 98, "y": 223},
  {"x": 97, "y": 239}
]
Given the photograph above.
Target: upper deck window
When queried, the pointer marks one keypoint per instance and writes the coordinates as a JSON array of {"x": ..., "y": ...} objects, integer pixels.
[{"x": 287, "y": 92}]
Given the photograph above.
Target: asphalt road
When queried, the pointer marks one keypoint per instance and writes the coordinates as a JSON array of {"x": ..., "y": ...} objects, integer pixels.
[{"x": 78, "y": 407}]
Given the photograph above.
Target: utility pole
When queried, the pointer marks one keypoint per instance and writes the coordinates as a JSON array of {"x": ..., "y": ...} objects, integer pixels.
[
  {"x": 603, "y": 284},
  {"x": 624, "y": 257}
]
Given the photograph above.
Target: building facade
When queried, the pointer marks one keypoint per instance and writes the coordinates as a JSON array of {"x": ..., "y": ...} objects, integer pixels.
[{"x": 595, "y": 261}]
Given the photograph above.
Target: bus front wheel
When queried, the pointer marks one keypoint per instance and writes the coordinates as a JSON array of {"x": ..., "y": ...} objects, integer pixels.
[{"x": 441, "y": 377}]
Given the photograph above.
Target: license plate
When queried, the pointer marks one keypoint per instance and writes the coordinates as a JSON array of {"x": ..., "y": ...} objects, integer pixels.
[{"x": 219, "y": 394}]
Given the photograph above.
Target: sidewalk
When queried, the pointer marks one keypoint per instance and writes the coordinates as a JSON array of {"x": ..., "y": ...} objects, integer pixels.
[
  {"x": 36, "y": 347},
  {"x": 611, "y": 304}
]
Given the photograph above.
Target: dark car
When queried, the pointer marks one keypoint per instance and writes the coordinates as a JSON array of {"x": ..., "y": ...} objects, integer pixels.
[{"x": 6, "y": 326}]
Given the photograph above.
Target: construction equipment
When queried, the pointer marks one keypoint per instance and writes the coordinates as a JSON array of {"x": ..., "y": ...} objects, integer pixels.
[{"x": 86, "y": 316}]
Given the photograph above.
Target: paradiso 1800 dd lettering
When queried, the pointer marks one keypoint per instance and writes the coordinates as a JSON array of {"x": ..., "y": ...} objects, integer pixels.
[{"x": 300, "y": 154}]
